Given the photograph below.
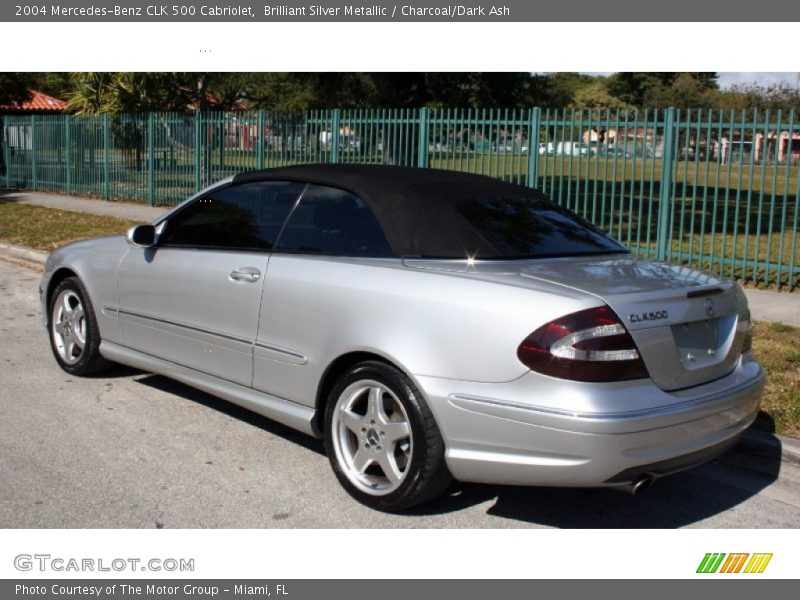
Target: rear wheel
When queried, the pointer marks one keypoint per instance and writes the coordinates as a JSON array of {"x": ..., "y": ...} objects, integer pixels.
[
  {"x": 74, "y": 335},
  {"x": 382, "y": 440}
]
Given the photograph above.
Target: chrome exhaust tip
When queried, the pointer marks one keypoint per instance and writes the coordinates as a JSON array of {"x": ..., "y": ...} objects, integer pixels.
[{"x": 640, "y": 485}]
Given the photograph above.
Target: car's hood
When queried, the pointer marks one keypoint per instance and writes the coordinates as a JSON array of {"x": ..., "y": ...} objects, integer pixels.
[
  {"x": 89, "y": 244},
  {"x": 101, "y": 249}
]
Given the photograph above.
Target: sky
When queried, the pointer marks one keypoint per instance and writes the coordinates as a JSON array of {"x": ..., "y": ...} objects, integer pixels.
[{"x": 726, "y": 80}]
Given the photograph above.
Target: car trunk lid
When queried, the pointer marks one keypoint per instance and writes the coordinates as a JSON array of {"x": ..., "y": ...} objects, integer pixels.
[{"x": 689, "y": 326}]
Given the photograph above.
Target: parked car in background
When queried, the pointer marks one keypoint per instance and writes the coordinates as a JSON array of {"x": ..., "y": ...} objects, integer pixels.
[
  {"x": 546, "y": 148},
  {"x": 427, "y": 324},
  {"x": 506, "y": 145},
  {"x": 573, "y": 149},
  {"x": 612, "y": 152},
  {"x": 347, "y": 140},
  {"x": 481, "y": 145}
]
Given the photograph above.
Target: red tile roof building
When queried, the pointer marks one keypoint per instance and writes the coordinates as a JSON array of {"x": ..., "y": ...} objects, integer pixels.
[{"x": 37, "y": 102}]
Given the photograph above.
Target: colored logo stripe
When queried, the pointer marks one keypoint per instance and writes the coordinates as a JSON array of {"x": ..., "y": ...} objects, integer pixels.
[
  {"x": 710, "y": 563},
  {"x": 733, "y": 564},
  {"x": 758, "y": 563}
]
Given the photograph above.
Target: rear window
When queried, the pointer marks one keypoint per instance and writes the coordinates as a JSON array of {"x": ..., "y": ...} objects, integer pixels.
[
  {"x": 529, "y": 227},
  {"x": 488, "y": 220}
]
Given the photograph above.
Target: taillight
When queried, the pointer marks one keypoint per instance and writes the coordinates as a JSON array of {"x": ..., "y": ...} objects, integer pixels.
[
  {"x": 746, "y": 326},
  {"x": 590, "y": 345}
]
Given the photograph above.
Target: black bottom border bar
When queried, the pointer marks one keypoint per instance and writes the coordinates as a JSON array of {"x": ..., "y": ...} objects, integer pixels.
[{"x": 733, "y": 588}]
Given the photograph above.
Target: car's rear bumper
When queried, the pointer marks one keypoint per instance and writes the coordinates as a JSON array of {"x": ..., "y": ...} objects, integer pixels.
[{"x": 519, "y": 433}]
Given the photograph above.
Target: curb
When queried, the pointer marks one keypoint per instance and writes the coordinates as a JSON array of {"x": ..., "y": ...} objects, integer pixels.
[
  {"x": 770, "y": 443},
  {"x": 20, "y": 254},
  {"x": 758, "y": 440}
]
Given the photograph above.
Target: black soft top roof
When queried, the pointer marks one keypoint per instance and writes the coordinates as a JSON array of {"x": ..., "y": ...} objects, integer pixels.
[
  {"x": 375, "y": 184},
  {"x": 415, "y": 206}
]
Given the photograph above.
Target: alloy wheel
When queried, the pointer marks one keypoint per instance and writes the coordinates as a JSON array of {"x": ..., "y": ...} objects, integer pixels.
[
  {"x": 373, "y": 440},
  {"x": 68, "y": 324}
]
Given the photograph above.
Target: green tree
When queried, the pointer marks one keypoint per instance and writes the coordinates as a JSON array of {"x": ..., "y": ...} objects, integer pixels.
[
  {"x": 745, "y": 97},
  {"x": 636, "y": 88},
  {"x": 684, "y": 91},
  {"x": 301, "y": 91},
  {"x": 484, "y": 90},
  {"x": 94, "y": 93},
  {"x": 556, "y": 90},
  {"x": 387, "y": 90},
  {"x": 14, "y": 87},
  {"x": 52, "y": 84},
  {"x": 595, "y": 95}
]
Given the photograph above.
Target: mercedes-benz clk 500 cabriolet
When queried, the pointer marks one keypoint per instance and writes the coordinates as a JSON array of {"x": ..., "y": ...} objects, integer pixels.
[{"x": 427, "y": 324}]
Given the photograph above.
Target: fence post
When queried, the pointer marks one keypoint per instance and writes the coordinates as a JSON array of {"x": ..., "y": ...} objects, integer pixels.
[
  {"x": 7, "y": 148},
  {"x": 222, "y": 140},
  {"x": 198, "y": 159},
  {"x": 665, "y": 196},
  {"x": 68, "y": 151},
  {"x": 335, "y": 137},
  {"x": 34, "y": 173},
  {"x": 422, "y": 147},
  {"x": 261, "y": 123},
  {"x": 106, "y": 159},
  {"x": 534, "y": 126},
  {"x": 151, "y": 191}
]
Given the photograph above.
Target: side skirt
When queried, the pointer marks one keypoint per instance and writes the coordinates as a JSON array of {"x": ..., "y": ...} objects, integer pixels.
[{"x": 288, "y": 413}]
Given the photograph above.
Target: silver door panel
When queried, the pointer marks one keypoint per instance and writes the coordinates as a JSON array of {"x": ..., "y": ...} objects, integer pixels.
[
  {"x": 217, "y": 355},
  {"x": 182, "y": 306}
]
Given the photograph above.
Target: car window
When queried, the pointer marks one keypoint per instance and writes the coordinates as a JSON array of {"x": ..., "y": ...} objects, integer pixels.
[
  {"x": 487, "y": 220},
  {"x": 240, "y": 217},
  {"x": 333, "y": 222},
  {"x": 520, "y": 227}
]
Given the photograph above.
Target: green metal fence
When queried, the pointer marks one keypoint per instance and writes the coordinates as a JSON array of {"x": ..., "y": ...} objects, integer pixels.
[{"x": 718, "y": 190}]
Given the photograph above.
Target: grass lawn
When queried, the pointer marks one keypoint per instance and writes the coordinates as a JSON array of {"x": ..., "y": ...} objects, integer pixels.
[
  {"x": 777, "y": 346},
  {"x": 761, "y": 260},
  {"x": 47, "y": 228},
  {"x": 636, "y": 171}
]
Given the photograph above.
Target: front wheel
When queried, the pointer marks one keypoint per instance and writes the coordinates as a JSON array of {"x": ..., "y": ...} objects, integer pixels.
[
  {"x": 74, "y": 335},
  {"x": 382, "y": 440}
]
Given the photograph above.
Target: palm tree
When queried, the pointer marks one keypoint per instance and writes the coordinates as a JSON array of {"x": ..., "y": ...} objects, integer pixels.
[
  {"x": 114, "y": 93},
  {"x": 94, "y": 93}
]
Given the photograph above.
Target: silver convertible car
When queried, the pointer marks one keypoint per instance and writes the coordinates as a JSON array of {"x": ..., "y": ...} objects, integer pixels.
[{"x": 427, "y": 324}]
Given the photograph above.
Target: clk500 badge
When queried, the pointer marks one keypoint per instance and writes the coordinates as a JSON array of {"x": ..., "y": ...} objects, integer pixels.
[{"x": 649, "y": 316}]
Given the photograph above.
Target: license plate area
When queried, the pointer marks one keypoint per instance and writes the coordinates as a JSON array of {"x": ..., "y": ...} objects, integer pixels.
[{"x": 701, "y": 344}]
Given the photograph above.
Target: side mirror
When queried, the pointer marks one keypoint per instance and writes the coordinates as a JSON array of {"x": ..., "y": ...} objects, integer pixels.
[{"x": 141, "y": 236}]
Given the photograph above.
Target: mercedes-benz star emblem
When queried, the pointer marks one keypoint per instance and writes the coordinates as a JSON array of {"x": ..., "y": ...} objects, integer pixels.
[{"x": 710, "y": 307}]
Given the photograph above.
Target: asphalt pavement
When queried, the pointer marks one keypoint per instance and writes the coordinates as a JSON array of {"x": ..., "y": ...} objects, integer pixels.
[{"x": 128, "y": 449}]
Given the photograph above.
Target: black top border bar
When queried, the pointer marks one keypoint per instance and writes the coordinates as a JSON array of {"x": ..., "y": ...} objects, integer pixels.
[{"x": 176, "y": 11}]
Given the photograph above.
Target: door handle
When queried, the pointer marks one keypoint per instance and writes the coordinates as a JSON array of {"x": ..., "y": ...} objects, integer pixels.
[{"x": 246, "y": 274}]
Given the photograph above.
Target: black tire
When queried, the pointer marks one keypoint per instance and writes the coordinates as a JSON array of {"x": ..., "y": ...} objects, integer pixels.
[
  {"x": 424, "y": 476},
  {"x": 89, "y": 360}
]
